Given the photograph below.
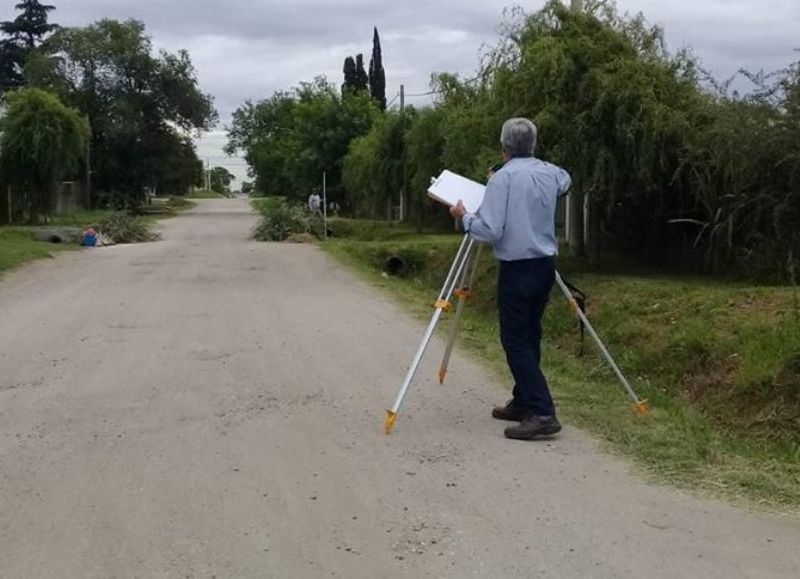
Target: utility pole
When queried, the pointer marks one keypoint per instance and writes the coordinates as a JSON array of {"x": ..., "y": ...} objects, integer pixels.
[
  {"x": 575, "y": 207},
  {"x": 403, "y": 184}
]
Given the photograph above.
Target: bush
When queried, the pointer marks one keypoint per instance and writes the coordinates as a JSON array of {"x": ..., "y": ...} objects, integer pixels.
[
  {"x": 122, "y": 228},
  {"x": 282, "y": 221}
]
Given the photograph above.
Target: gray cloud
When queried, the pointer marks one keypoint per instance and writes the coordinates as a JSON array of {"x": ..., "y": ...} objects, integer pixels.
[{"x": 248, "y": 50}]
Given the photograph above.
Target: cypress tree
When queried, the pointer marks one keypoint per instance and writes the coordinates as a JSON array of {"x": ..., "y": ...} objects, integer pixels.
[
  {"x": 377, "y": 75},
  {"x": 362, "y": 80},
  {"x": 349, "y": 75}
]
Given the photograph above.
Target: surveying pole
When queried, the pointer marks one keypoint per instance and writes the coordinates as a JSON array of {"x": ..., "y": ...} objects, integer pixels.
[{"x": 325, "y": 204}]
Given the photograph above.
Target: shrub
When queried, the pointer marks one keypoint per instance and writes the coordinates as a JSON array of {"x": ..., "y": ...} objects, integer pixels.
[
  {"x": 282, "y": 221},
  {"x": 122, "y": 228}
]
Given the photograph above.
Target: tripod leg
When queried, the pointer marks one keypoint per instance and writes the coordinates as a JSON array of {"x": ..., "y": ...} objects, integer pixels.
[
  {"x": 456, "y": 272},
  {"x": 640, "y": 406},
  {"x": 467, "y": 283},
  {"x": 466, "y": 244}
]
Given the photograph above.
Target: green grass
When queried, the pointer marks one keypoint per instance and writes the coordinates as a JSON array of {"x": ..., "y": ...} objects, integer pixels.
[
  {"x": 720, "y": 364},
  {"x": 264, "y": 205},
  {"x": 80, "y": 218},
  {"x": 205, "y": 195},
  {"x": 18, "y": 247}
]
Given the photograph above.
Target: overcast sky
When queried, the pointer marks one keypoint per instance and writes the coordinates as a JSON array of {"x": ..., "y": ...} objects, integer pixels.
[{"x": 247, "y": 49}]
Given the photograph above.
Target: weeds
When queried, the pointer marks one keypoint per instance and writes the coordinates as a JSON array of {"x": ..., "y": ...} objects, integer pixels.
[
  {"x": 122, "y": 228},
  {"x": 280, "y": 221}
]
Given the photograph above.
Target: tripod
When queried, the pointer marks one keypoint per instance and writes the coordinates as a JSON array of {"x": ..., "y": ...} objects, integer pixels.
[{"x": 459, "y": 282}]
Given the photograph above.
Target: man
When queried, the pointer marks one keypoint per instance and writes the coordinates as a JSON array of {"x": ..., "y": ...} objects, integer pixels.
[
  {"x": 314, "y": 203},
  {"x": 518, "y": 218}
]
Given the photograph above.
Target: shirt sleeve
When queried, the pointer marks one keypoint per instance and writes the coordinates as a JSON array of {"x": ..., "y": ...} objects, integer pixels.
[
  {"x": 489, "y": 224},
  {"x": 563, "y": 180}
]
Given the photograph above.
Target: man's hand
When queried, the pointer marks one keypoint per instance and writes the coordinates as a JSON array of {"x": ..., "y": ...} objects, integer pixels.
[{"x": 458, "y": 211}]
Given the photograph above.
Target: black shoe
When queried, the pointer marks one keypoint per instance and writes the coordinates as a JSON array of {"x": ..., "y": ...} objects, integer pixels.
[
  {"x": 510, "y": 411},
  {"x": 533, "y": 426}
]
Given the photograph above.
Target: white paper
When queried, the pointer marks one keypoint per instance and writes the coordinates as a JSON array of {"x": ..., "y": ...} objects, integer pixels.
[{"x": 449, "y": 188}]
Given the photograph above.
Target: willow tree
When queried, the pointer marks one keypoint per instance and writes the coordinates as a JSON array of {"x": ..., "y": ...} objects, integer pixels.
[
  {"x": 374, "y": 166},
  {"x": 42, "y": 141},
  {"x": 612, "y": 106}
]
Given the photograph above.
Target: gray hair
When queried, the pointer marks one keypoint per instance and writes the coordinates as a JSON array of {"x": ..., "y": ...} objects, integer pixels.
[{"x": 518, "y": 137}]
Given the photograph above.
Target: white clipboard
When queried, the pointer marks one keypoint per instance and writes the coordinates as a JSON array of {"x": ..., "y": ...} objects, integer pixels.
[{"x": 449, "y": 187}]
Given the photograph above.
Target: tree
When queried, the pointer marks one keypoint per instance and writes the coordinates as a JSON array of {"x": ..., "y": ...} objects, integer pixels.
[
  {"x": 10, "y": 57},
  {"x": 221, "y": 180},
  {"x": 25, "y": 33},
  {"x": 373, "y": 167},
  {"x": 612, "y": 106},
  {"x": 293, "y": 137},
  {"x": 140, "y": 106},
  {"x": 349, "y": 75},
  {"x": 424, "y": 149},
  {"x": 42, "y": 141},
  {"x": 361, "y": 78},
  {"x": 355, "y": 77},
  {"x": 377, "y": 76},
  {"x": 247, "y": 188}
]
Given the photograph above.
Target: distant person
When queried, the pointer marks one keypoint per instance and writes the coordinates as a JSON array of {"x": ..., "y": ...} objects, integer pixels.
[
  {"x": 518, "y": 218},
  {"x": 314, "y": 203}
]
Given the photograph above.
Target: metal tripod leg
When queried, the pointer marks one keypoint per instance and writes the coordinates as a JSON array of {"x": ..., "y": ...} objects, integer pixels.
[
  {"x": 443, "y": 303},
  {"x": 464, "y": 293},
  {"x": 640, "y": 406}
]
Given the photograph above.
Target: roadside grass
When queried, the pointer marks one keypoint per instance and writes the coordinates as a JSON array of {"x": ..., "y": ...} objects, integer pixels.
[
  {"x": 264, "y": 205},
  {"x": 719, "y": 363},
  {"x": 80, "y": 218},
  {"x": 205, "y": 195},
  {"x": 18, "y": 247}
]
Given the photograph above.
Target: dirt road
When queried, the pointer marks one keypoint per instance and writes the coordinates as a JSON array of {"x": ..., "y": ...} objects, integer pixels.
[{"x": 206, "y": 406}]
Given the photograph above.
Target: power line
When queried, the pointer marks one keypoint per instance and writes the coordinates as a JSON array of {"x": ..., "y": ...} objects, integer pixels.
[
  {"x": 422, "y": 94},
  {"x": 442, "y": 91}
]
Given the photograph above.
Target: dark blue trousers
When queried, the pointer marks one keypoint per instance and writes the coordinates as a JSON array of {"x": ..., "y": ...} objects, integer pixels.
[{"x": 523, "y": 289}]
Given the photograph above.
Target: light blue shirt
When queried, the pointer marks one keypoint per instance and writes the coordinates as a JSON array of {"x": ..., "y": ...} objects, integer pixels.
[{"x": 518, "y": 214}]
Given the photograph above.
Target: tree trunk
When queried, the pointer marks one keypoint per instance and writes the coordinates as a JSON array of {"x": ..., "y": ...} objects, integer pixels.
[
  {"x": 575, "y": 219},
  {"x": 594, "y": 230},
  {"x": 9, "y": 206}
]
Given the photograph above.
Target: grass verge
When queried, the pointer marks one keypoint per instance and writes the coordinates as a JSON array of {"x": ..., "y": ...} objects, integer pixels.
[
  {"x": 18, "y": 247},
  {"x": 720, "y": 364},
  {"x": 206, "y": 195}
]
